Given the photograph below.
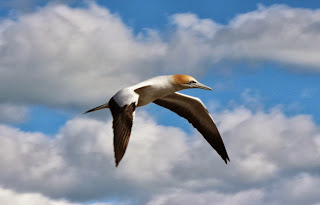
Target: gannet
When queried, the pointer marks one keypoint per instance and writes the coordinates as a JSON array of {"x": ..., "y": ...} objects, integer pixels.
[{"x": 161, "y": 90}]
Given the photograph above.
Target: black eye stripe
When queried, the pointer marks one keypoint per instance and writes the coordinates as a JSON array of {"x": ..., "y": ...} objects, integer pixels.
[{"x": 192, "y": 81}]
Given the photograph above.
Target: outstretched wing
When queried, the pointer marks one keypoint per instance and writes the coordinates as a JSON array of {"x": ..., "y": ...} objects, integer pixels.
[
  {"x": 122, "y": 123},
  {"x": 196, "y": 113}
]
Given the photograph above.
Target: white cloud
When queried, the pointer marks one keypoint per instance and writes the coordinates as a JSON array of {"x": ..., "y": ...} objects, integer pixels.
[
  {"x": 79, "y": 165},
  {"x": 212, "y": 197},
  {"x": 264, "y": 145},
  {"x": 12, "y": 113},
  {"x": 13, "y": 198},
  {"x": 64, "y": 56},
  {"x": 268, "y": 152},
  {"x": 61, "y": 56},
  {"x": 300, "y": 189},
  {"x": 277, "y": 33}
]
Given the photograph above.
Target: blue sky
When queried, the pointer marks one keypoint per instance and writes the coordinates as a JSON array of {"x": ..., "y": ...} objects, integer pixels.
[
  {"x": 60, "y": 58},
  {"x": 271, "y": 84}
]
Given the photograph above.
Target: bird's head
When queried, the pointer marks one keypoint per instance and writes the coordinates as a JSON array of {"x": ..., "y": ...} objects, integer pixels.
[{"x": 186, "y": 81}]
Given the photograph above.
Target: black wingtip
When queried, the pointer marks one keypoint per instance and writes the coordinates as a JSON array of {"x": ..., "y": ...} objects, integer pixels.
[
  {"x": 226, "y": 160},
  {"x": 116, "y": 161}
]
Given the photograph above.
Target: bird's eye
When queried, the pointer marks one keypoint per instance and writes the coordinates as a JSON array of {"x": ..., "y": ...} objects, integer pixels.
[{"x": 192, "y": 81}]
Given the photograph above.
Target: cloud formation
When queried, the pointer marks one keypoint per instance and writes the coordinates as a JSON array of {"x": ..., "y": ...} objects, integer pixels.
[
  {"x": 71, "y": 52},
  {"x": 12, "y": 113},
  {"x": 60, "y": 56},
  {"x": 79, "y": 165},
  {"x": 269, "y": 152},
  {"x": 13, "y": 198},
  {"x": 277, "y": 33},
  {"x": 300, "y": 189}
]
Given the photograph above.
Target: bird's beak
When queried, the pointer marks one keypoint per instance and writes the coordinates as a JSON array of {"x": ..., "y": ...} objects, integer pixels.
[{"x": 200, "y": 85}]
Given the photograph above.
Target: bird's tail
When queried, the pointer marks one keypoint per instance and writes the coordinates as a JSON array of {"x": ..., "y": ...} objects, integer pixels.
[{"x": 106, "y": 105}]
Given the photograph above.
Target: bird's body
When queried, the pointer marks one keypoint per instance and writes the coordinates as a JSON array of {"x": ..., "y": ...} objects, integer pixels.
[
  {"x": 161, "y": 90},
  {"x": 146, "y": 91}
]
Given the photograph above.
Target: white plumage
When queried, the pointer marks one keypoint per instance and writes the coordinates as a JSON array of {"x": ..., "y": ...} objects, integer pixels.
[{"x": 161, "y": 90}]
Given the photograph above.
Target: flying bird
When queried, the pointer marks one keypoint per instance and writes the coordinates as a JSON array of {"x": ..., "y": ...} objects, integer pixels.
[{"x": 161, "y": 90}]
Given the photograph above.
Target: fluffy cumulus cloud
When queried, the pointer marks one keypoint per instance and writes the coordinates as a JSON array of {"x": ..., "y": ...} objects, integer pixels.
[
  {"x": 62, "y": 56},
  {"x": 12, "y": 113},
  {"x": 242, "y": 198},
  {"x": 13, "y": 198},
  {"x": 78, "y": 164},
  {"x": 277, "y": 33},
  {"x": 279, "y": 144},
  {"x": 71, "y": 52},
  {"x": 273, "y": 160},
  {"x": 301, "y": 189}
]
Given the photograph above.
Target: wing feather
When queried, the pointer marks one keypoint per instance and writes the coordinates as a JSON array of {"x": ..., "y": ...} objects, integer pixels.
[
  {"x": 196, "y": 113},
  {"x": 122, "y": 123}
]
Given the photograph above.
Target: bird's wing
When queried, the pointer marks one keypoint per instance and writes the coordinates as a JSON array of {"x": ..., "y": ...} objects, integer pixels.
[
  {"x": 122, "y": 123},
  {"x": 196, "y": 113}
]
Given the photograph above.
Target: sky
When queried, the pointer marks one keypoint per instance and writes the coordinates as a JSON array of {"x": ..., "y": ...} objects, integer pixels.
[{"x": 61, "y": 58}]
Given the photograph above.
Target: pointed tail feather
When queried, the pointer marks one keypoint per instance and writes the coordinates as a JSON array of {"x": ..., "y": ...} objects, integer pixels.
[{"x": 106, "y": 105}]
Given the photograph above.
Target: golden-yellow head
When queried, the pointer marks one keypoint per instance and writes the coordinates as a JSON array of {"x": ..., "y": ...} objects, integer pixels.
[
  {"x": 187, "y": 81},
  {"x": 183, "y": 79}
]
